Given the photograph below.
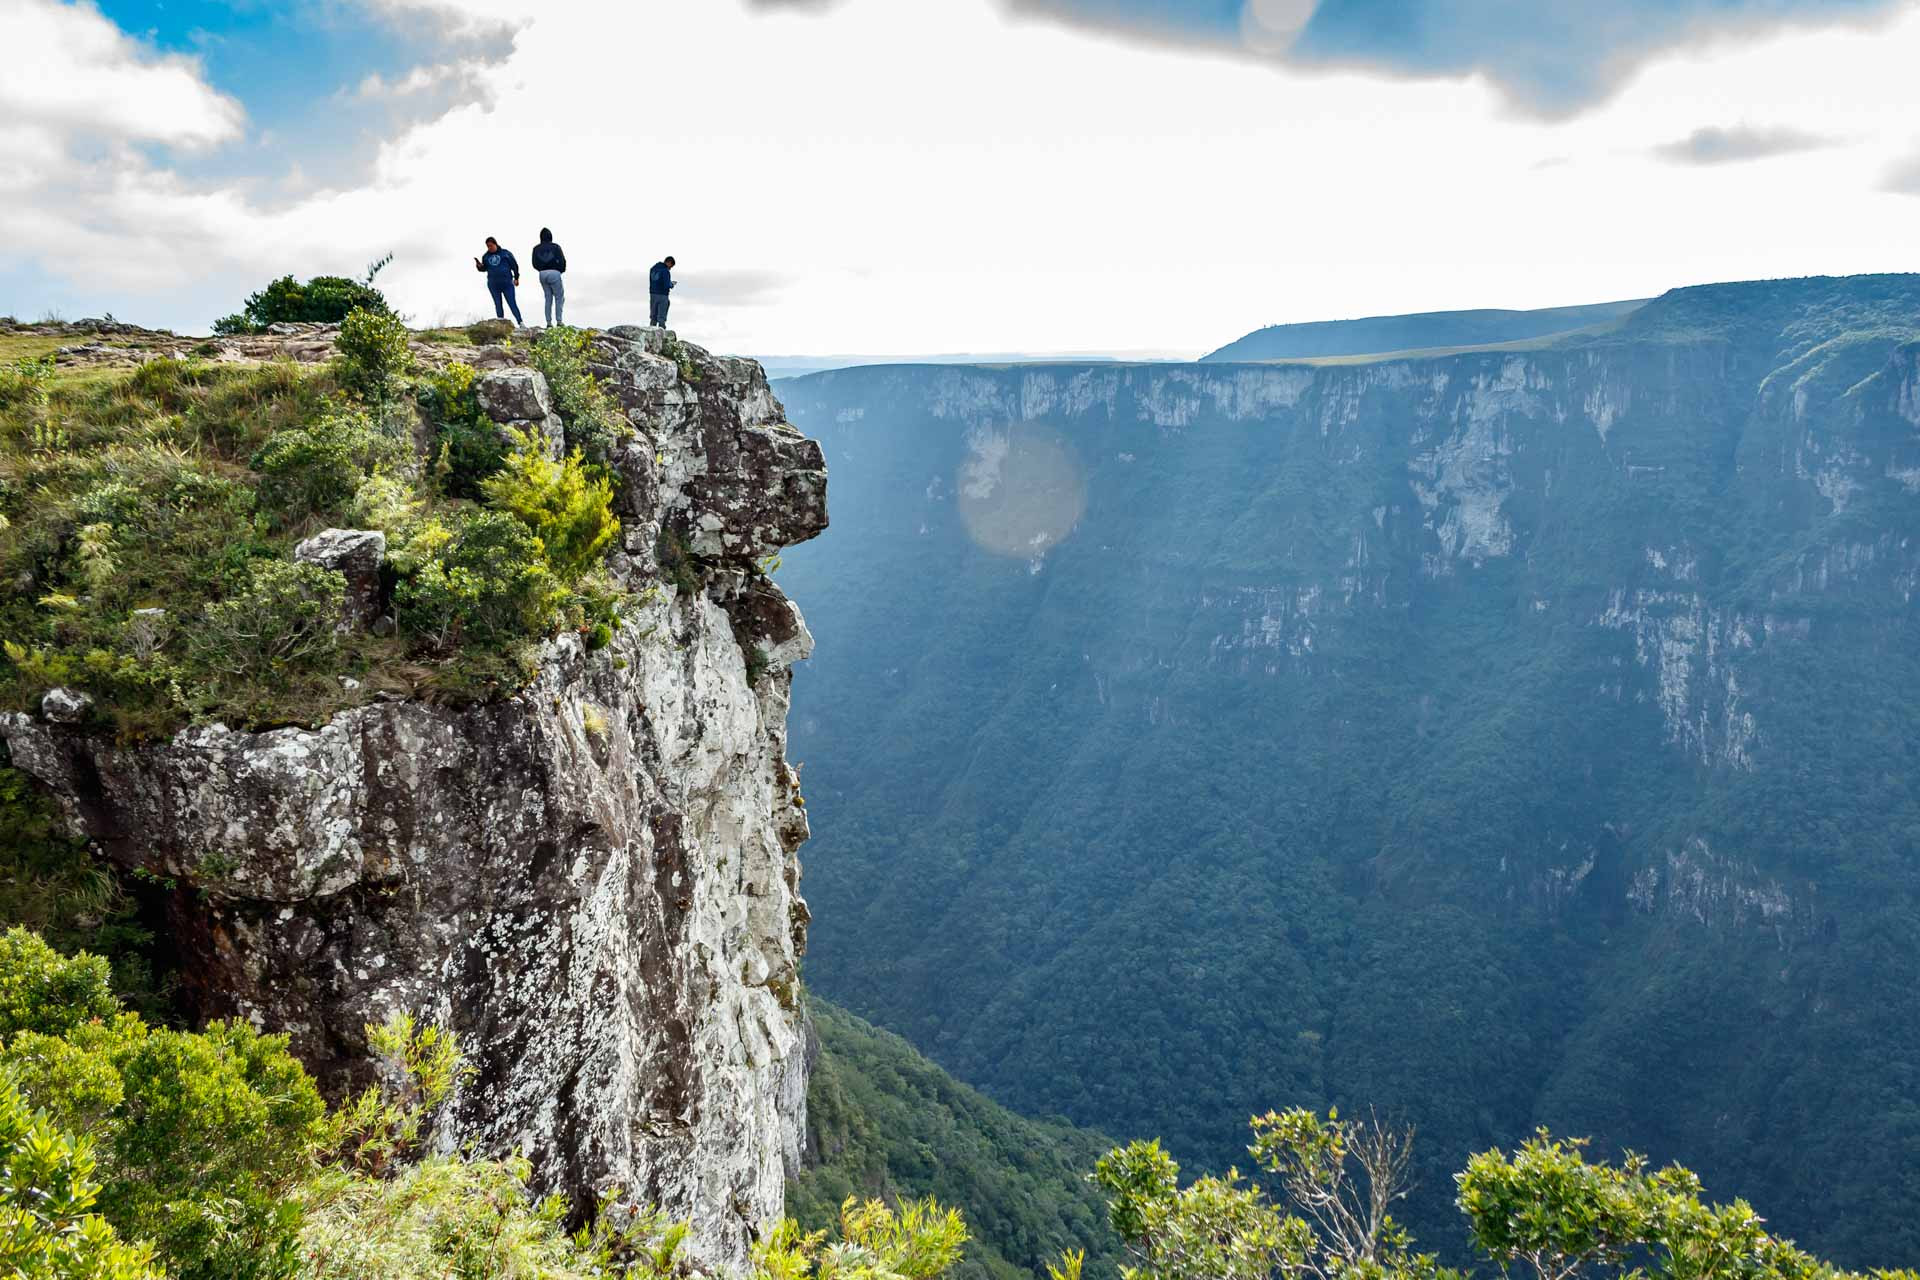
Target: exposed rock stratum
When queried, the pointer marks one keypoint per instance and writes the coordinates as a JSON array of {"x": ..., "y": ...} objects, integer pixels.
[{"x": 592, "y": 882}]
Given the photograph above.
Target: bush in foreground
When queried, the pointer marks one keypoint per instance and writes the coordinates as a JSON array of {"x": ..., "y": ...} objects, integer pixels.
[
  {"x": 216, "y": 1158},
  {"x": 1545, "y": 1208}
]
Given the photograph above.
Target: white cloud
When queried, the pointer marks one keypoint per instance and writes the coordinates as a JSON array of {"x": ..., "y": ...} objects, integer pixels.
[
  {"x": 937, "y": 177},
  {"x": 70, "y": 72},
  {"x": 418, "y": 80}
]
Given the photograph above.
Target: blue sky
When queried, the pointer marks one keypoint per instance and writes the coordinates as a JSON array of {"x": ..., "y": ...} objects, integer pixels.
[
  {"x": 296, "y": 67},
  {"x": 277, "y": 58},
  {"x": 942, "y": 175}
]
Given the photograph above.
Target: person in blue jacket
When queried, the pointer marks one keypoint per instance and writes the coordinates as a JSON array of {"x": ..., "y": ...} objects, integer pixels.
[
  {"x": 659, "y": 286},
  {"x": 550, "y": 264},
  {"x": 503, "y": 273}
]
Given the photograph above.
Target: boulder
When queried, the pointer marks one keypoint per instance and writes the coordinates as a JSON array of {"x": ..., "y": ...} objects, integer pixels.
[
  {"x": 518, "y": 399},
  {"x": 356, "y": 555},
  {"x": 65, "y": 706}
]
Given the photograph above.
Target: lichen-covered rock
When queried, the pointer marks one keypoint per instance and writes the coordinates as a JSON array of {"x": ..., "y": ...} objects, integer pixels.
[
  {"x": 519, "y": 400},
  {"x": 356, "y": 555},
  {"x": 714, "y": 464},
  {"x": 593, "y": 882},
  {"x": 65, "y": 706},
  {"x": 767, "y": 624}
]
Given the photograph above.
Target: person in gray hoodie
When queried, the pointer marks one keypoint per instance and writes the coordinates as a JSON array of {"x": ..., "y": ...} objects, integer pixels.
[{"x": 551, "y": 264}]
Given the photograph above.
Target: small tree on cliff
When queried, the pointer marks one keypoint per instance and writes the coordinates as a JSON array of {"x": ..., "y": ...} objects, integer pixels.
[
  {"x": 1341, "y": 1177},
  {"x": 1545, "y": 1207}
]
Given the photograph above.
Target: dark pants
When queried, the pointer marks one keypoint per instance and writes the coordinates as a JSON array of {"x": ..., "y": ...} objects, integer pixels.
[
  {"x": 659, "y": 316},
  {"x": 504, "y": 291}
]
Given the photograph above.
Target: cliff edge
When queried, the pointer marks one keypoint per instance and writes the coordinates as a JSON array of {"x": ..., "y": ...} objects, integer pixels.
[{"x": 593, "y": 881}]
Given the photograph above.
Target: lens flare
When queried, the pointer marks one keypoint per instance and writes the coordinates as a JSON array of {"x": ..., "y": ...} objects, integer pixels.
[
  {"x": 1270, "y": 26},
  {"x": 1021, "y": 490}
]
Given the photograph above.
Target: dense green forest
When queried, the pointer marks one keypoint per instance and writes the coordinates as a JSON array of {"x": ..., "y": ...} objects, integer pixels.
[
  {"x": 883, "y": 1121},
  {"x": 1502, "y": 738}
]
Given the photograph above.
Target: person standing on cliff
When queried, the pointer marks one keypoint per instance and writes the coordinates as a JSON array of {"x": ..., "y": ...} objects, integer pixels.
[
  {"x": 503, "y": 274},
  {"x": 550, "y": 264},
  {"x": 659, "y": 286}
]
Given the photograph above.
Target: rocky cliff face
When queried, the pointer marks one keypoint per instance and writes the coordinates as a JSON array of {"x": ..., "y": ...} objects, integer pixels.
[{"x": 593, "y": 882}]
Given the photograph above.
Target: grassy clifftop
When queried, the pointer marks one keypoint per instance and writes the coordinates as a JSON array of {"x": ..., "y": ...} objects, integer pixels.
[{"x": 153, "y": 490}]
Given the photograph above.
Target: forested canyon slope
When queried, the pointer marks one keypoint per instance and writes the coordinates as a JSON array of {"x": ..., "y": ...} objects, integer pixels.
[{"x": 1501, "y": 738}]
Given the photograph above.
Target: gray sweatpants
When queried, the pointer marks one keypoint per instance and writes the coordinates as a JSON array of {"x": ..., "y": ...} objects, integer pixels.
[
  {"x": 553, "y": 291},
  {"x": 658, "y": 311}
]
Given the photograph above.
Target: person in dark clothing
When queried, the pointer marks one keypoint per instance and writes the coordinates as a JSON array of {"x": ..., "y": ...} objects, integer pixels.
[
  {"x": 549, "y": 263},
  {"x": 503, "y": 273},
  {"x": 659, "y": 286}
]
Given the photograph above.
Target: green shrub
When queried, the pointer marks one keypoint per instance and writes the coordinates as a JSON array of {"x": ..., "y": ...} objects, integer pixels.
[
  {"x": 1549, "y": 1210},
  {"x": 677, "y": 352},
  {"x": 45, "y": 992},
  {"x": 315, "y": 470},
  {"x": 48, "y": 1230},
  {"x": 373, "y": 352},
  {"x": 214, "y": 1131},
  {"x": 678, "y": 564},
  {"x": 54, "y": 885},
  {"x": 593, "y": 419},
  {"x": 284, "y": 618},
  {"x": 47, "y": 881},
  {"x": 484, "y": 333},
  {"x": 917, "y": 1241},
  {"x": 202, "y": 1136},
  {"x": 468, "y": 446},
  {"x": 483, "y": 581},
  {"x": 567, "y": 504},
  {"x": 383, "y": 501},
  {"x": 458, "y": 1216},
  {"x": 321, "y": 300},
  {"x": 215, "y": 1148},
  {"x": 24, "y": 383}
]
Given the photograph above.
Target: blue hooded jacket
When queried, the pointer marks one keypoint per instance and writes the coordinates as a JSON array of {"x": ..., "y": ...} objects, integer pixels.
[
  {"x": 660, "y": 280},
  {"x": 501, "y": 266}
]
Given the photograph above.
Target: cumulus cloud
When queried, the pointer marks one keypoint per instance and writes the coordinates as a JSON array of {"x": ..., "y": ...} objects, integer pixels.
[
  {"x": 1550, "y": 57},
  {"x": 71, "y": 73},
  {"x": 83, "y": 108},
  {"x": 1737, "y": 143},
  {"x": 460, "y": 19},
  {"x": 417, "y": 80}
]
